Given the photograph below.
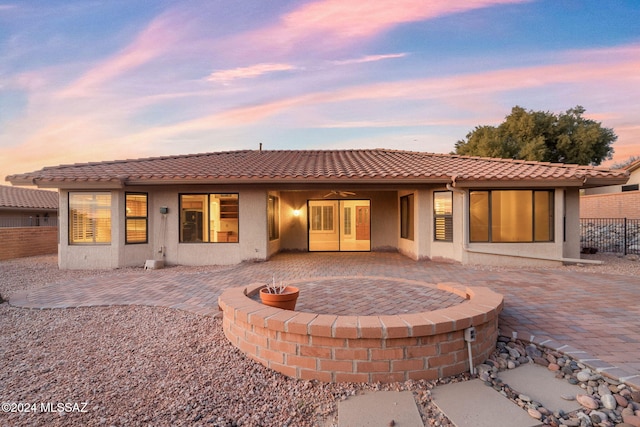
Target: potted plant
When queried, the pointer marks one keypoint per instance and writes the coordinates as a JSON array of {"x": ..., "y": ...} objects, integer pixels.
[{"x": 279, "y": 296}]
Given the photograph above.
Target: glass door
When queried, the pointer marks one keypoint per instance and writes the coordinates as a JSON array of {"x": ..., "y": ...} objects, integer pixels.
[{"x": 339, "y": 225}]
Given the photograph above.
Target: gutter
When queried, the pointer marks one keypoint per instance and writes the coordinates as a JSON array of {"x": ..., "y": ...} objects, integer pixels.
[{"x": 465, "y": 235}]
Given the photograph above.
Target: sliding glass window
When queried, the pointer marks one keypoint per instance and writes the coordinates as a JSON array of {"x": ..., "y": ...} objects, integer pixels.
[{"x": 511, "y": 216}]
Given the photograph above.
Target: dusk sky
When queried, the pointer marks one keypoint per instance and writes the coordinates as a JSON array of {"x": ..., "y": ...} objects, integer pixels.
[{"x": 85, "y": 80}]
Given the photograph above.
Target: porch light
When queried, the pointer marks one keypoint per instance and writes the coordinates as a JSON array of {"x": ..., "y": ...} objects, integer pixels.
[{"x": 296, "y": 212}]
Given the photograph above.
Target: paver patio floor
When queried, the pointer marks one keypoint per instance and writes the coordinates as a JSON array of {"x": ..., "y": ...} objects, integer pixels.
[{"x": 594, "y": 316}]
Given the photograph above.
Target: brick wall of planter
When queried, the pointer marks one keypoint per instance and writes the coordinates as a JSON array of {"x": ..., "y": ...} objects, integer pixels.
[
  {"x": 18, "y": 242},
  {"x": 333, "y": 348}
]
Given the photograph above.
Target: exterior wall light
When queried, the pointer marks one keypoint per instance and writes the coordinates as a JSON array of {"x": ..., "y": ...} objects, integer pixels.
[{"x": 296, "y": 212}]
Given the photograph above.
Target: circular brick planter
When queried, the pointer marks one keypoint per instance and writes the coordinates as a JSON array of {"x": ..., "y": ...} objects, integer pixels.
[{"x": 383, "y": 348}]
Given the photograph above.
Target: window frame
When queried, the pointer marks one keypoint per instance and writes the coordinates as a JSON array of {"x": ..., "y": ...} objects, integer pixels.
[
  {"x": 446, "y": 218},
  {"x": 407, "y": 217},
  {"x": 128, "y": 217},
  {"x": 91, "y": 210},
  {"x": 489, "y": 214},
  {"x": 273, "y": 217},
  {"x": 206, "y": 217}
]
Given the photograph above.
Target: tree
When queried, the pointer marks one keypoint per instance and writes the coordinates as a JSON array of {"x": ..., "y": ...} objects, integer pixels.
[{"x": 542, "y": 136}]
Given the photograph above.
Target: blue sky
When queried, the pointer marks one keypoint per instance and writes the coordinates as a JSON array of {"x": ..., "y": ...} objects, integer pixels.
[{"x": 91, "y": 80}]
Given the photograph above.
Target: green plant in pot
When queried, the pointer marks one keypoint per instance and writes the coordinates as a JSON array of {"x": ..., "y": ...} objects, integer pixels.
[{"x": 279, "y": 296}]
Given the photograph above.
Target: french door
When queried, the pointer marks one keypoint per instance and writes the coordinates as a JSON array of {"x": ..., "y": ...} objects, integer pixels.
[{"x": 339, "y": 225}]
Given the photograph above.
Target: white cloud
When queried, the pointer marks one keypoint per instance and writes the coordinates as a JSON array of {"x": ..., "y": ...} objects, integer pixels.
[
  {"x": 369, "y": 58},
  {"x": 226, "y": 76}
]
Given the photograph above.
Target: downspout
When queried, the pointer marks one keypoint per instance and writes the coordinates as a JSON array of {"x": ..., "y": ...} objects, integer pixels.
[{"x": 465, "y": 235}]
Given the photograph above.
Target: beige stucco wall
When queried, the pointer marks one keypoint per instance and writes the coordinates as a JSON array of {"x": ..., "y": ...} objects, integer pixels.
[
  {"x": 253, "y": 241},
  {"x": 163, "y": 241}
]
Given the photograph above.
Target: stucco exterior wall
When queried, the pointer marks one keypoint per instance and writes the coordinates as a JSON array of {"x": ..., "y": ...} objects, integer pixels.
[{"x": 571, "y": 244}]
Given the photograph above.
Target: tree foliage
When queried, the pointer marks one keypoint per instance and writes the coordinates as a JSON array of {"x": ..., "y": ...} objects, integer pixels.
[{"x": 542, "y": 136}]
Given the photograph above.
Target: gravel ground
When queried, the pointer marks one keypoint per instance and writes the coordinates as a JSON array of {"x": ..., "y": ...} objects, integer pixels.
[{"x": 137, "y": 365}]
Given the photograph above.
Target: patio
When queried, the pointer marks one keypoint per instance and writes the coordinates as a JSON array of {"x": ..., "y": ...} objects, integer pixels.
[{"x": 593, "y": 316}]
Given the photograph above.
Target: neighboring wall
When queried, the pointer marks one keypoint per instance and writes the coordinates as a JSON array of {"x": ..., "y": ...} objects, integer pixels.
[
  {"x": 18, "y": 242},
  {"x": 618, "y": 205}
]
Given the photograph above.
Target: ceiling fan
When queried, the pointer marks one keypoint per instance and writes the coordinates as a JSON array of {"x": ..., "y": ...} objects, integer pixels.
[{"x": 339, "y": 193}]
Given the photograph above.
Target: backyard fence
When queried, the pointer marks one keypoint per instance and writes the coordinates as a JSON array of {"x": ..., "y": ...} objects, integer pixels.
[
  {"x": 28, "y": 221},
  {"x": 616, "y": 235}
]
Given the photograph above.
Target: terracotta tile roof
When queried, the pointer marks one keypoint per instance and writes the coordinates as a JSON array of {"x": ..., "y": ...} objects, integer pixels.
[
  {"x": 286, "y": 166},
  {"x": 27, "y": 198}
]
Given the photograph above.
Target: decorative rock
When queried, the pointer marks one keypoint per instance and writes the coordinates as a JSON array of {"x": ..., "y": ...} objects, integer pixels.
[
  {"x": 635, "y": 396},
  {"x": 603, "y": 389},
  {"x": 634, "y": 420},
  {"x": 597, "y": 417},
  {"x": 533, "y": 351},
  {"x": 553, "y": 367},
  {"x": 534, "y": 413},
  {"x": 583, "y": 376},
  {"x": 587, "y": 401},
  {"x": 511, "y": 364},
  {"x": 621, "y": 400},
  {"x": 608, "y": 401},
  {"x": 568, "y": 397},
  {"x": 524, "y": 397},
  {"x": 541, "y": 361}
]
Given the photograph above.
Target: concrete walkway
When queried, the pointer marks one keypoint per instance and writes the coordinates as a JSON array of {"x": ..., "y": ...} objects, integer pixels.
[{"x": 593, "y": 317}]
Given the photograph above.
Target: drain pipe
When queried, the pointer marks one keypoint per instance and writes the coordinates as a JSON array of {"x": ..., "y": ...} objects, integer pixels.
[{"x": 465, "y": 234}]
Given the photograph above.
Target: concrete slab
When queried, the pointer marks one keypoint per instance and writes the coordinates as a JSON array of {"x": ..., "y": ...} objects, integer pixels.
[
  {"x": 541, "y": 385},
  {"x": 379, "y": 409},
  {"x": 473, "y": 404}
]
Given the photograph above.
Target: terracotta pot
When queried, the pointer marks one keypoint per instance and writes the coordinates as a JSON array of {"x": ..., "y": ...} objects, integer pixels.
[{"x": 285, "y": 300}]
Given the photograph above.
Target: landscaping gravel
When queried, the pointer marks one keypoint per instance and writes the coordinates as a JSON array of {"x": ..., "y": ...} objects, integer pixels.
[
  {"x": 134, "y": 365},
  {"x": 138, "y": 366}
]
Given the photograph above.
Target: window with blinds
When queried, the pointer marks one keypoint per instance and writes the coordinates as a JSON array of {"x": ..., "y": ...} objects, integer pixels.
[
  {"x": 322, "y": 218},
  {"x": 89, "y": 218},
  {"x": 443, "y": 216},
  {"x": 136, "y": 217}
]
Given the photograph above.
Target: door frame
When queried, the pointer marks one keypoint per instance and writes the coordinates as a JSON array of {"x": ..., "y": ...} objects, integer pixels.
[{"x": 338, "y": 218}]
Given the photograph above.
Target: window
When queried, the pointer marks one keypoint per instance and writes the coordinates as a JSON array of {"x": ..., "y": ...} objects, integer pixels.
[
  {"x": 347, "y": 221},
  {"x": 511, "y": 216},
  {"x": 322, "y": 218},
  {"x": 273, "y": 216},
  {"x": 406, "y": 217},
  {"x": 89, "y": 218},
  {"x": 136, "y": 218},
  {"x": 209, "y": 218},
  {"x": 443, "y": 216}
]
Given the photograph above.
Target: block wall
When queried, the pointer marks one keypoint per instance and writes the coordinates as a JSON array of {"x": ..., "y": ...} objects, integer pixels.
[
  {"x": 616, "y": 205},
  {"x": 18, "y": 242},
  {"x": 334, "y": 348}
]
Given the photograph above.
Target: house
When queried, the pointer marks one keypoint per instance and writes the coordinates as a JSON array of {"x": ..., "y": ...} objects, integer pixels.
[
  {"x": 28, "y": 222},
  {"x": 614, "y": 201},
  {"x": 229, "y": 207},
  {"x": 27, "y": 207}
]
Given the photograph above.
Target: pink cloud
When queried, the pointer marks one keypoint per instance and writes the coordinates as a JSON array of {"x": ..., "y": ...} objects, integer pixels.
[
  {"x": 226, "y": 76},
  {"x": 339, "y": 21}
]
